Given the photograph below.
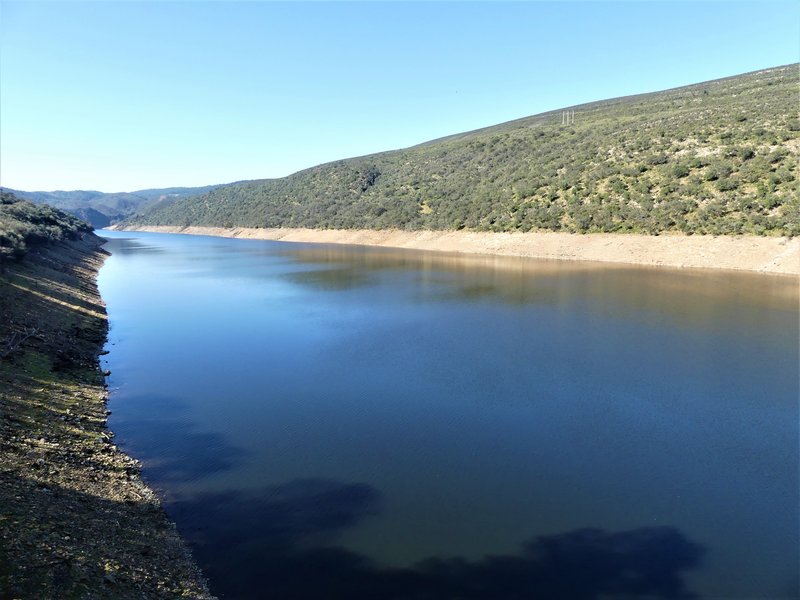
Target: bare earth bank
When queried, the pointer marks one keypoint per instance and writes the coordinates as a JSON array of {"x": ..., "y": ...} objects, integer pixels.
[
  {"x": 76, "y": 519},
  {"x": 777, "y": 255}
]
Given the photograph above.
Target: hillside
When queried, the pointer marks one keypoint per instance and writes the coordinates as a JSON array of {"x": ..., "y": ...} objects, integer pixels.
[
  {"x": 713, "y": 158},
  {"x": 23, "y": 224},
  {"x": 100, "y": 209}
]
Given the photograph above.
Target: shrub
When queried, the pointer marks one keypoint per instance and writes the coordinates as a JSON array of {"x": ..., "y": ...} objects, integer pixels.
[{"x": 680, "y": 171}]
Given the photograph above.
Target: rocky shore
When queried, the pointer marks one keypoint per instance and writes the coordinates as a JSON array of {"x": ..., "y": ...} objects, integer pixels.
[{"x": 76, "y": 520}]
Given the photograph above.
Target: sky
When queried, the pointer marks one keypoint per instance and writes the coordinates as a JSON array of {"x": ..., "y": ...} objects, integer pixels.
[{"x": 117, "y": 96}]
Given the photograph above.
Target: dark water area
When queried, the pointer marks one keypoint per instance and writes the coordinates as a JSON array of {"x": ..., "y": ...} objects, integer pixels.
[{"x": 344, "y": 422}]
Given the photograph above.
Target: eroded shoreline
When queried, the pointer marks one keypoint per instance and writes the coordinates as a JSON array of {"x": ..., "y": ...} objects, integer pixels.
[
  {"x": 76, "y": 519},
  {"x": 773, "y": 255}
]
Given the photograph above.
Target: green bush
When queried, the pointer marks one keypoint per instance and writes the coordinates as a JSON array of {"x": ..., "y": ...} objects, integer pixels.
[{"x": 680, "y": 171}]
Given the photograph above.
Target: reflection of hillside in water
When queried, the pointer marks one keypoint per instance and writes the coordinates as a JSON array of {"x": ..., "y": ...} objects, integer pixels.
[
  {"x": 131, "y": 246},
  {"x": 613, "y": 290},
  {"x": 280, "y": 542}
]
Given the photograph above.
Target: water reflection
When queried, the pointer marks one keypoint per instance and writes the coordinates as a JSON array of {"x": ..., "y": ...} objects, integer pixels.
[
  {"x": 280, "y": 542},
  {"x": 616, "y": 289},
  {"x": 330, "y": 279},
  {"x": 171, "y": 448},
  {"x": 295, "y": 514},
  {"x": 460, "y": 387},
  {"x": 124, "y": 246}
]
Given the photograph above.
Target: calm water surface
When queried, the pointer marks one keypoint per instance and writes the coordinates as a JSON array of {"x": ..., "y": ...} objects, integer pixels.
[{"x": 342, "y": 422}]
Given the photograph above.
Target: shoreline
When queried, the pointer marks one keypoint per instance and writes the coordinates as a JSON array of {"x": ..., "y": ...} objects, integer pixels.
[
  {"x": 76, "y": 518},
  {"x": 760, "y": 254}
]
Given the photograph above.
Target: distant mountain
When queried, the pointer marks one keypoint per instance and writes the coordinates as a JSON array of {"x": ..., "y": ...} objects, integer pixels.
[
  {"x": 719, "y": 157},
  {"x": 101, "y": 209}
]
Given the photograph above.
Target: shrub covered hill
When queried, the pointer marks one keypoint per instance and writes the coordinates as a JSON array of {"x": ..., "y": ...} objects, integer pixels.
[
  {"x": 23, "y": 224},
  {"x": 713, "y": 158}
]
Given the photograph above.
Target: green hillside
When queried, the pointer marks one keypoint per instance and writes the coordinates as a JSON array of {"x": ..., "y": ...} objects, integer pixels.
[
  {"x": 715, "y": 158},
  {"x": 24, "y": 224}
]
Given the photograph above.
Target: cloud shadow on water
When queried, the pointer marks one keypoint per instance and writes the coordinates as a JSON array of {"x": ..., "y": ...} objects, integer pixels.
[
  {"x": 169, "y": 446},
  {"x": 279, "y": 542}
]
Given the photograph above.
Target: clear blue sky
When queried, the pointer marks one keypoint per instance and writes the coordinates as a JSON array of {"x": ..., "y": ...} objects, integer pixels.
[{"x": 124, "y": 96}]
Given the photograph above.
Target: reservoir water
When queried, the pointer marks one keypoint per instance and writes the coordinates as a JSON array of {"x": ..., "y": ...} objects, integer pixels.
[{"x": 344, "y": 422}]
